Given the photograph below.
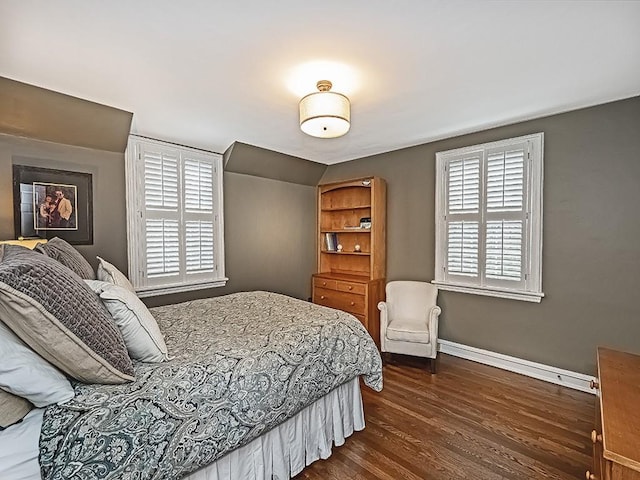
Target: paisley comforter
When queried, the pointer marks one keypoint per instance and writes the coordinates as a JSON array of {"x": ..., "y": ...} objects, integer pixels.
[{"x": 242, "y": 364}]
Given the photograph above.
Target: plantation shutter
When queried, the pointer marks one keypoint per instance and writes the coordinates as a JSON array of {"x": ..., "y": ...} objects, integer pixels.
[
  {"x": 489, "y": 219},
  {"x": 162, "y": 216},
  {"x": 505, "y": 216},
  {"x": 198, "y": 187},
  {"x": 175, "y": 226},
  {"x": 462, "y": 217}
]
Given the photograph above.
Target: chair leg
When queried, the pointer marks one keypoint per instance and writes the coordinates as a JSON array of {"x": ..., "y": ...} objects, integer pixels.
[
  {"x": 386, "y": 358},
  {"x": 433, "y": 364}
]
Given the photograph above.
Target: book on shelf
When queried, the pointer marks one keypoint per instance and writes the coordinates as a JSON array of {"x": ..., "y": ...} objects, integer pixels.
[{"x": 331, "y": 241}]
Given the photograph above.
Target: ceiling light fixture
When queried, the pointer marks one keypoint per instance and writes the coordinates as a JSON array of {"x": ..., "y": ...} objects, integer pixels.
[{"x": 325, "y": 114}]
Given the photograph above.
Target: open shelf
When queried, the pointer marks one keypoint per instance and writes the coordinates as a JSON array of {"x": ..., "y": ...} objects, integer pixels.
[
  {"x": 337, "y": 209},
  {"x": 346, "y": 230},
  {"x": 345, "y": 253}
]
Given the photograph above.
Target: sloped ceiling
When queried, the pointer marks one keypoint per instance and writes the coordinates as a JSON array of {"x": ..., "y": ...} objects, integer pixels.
[
  {"x": 34, "y": 112},
  {"x": 207, "y": 73}
]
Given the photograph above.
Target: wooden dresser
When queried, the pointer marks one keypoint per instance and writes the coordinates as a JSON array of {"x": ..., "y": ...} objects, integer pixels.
[
  {"x": 616, "y": 438},
  {"x": 356, "y": 295}
]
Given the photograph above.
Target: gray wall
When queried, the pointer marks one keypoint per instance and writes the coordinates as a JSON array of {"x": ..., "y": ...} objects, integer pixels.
[
  {"x": 269, "y": 238},
  {"x": 107, "y": 168},
  {"x": 591, "y": 253}
]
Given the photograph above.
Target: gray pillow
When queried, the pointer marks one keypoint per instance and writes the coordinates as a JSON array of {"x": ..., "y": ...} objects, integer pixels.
[
  {"x": 60, "y": 250},
  {"x": 54, "y": 312},
  {"x": 12, "y": 409}
]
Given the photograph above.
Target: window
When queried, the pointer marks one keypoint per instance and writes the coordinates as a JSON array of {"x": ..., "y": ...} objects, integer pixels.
[
  {"x": 489, "y": 219},
  {"x": 174, "y": 215}
]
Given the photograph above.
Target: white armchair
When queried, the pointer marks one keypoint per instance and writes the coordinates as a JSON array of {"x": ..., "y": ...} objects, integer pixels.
[{"x": 409, "y": 320}]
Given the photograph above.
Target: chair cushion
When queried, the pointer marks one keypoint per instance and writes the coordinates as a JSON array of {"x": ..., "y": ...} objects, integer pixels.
[{"x": 407, "y": 331}]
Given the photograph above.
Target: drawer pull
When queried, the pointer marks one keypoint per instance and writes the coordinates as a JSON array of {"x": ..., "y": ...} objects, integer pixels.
[
  {"x": 322, "y": 297},
  {"x": 596, "y": 437},
  {"x": 353, "y": 303},
  {"x": 324, "y": 284},
  {"x": 590, "y": 476},
  {"x": 594, "y": 385},
  {"x": 350, "y": 287}
]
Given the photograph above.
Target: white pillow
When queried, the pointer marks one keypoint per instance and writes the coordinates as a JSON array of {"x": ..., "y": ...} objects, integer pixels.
[
  {"x": 26, "y": 374},
  {"x": 109, "y": 273},
  {"x": 139, "y": 329}
]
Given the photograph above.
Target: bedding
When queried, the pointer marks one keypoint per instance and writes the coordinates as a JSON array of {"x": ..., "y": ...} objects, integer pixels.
[
  {"x": 67, "y": 255},
  {"x": 25, "y": 373},
  {"x": 140, "y": 331},
  {"x": 12, "y": 409},
  {"x": 243, "y": 364},
  {"x": 109, "y": 273},
  {"x": 53, "y": 311}
]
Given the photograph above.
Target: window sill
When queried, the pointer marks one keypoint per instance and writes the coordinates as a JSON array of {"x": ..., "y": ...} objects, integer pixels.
[
  {"x": 533, "y": 297},
  {"x": 167, "y": 289}
]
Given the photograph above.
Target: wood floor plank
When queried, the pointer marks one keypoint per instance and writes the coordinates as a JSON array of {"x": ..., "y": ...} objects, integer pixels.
[{"x": 467, "y": 421}]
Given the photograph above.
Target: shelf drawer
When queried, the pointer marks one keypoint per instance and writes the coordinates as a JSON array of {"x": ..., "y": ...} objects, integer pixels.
[
  {"x": 324, "y": 283},
  {"x": 349, "y": 302},
  {"x": 351, "y": 287}
]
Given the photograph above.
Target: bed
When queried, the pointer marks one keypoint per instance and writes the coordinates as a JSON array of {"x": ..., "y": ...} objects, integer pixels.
[{"x": 258, "y": 385}]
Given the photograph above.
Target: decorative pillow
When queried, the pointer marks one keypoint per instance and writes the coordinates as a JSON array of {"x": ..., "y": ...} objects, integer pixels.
[
  {"x": 139, "y": 329},
  {"x": 109, "y": 273},
  {"x": 26, "y": 374},
  {"x": 12, "y": 409},
  {"x": 54, "y": 312},
  {"x": 60, "y": 250}
]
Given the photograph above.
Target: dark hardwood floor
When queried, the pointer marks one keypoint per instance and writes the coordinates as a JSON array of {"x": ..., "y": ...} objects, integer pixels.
[{"x": 467, "y": 421}]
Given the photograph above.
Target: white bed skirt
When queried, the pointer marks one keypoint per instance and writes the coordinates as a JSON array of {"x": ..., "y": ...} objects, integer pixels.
[
  {"x": 279, "y": 454},
  {"x": 285, "y": 450}
]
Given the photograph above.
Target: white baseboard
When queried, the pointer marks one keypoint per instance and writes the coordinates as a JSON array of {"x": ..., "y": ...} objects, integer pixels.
[{"x": 566, "y": 378}]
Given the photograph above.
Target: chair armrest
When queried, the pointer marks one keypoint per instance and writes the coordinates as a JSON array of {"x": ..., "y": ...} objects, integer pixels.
[
  {"x": 384, "y": 322},
  {"x": 434, "y": 313}
]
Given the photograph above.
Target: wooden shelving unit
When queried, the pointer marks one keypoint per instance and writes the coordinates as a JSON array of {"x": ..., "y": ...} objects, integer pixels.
[{"x": 350, "y": 279}]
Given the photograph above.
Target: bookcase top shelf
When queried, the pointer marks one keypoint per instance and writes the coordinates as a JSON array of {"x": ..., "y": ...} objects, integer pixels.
[{"x": 354, "y": 207}]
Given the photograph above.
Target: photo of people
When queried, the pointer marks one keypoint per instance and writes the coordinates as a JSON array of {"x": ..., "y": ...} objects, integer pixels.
[{"x": 54, "y": 206}]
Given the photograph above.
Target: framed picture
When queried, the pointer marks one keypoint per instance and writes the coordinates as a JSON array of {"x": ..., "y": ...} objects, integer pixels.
[{"x": 53, "y": 203}]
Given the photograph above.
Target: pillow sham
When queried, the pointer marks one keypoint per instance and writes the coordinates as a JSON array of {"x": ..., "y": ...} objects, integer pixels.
[
  {"x": 139, "y": 329},
  {"x": 26, "y": 374},
  {"x": 60, "y": 250},
  {"x": 109, "y": 273},
  {"x": 54, "y": 312},
  {"x": 12, "y": 409}
]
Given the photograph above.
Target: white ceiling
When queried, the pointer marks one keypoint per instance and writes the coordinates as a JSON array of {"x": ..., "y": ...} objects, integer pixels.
[{"x": 207, "y": 73}]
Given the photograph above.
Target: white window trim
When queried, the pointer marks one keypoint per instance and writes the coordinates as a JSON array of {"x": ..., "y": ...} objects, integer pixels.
[
  {"x": 534, "y": 292},
  {"x": 135, "y": 218}
]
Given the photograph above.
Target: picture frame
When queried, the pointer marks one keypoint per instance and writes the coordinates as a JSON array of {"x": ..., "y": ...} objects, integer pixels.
[{"x": 51, "y": 203}]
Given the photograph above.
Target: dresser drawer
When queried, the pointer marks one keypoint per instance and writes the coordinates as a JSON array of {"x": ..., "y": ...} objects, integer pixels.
[
  {"x": 351, "y": 287},
  {"x": 324, "y": 283},
  {"x": 349, "y": 302}
]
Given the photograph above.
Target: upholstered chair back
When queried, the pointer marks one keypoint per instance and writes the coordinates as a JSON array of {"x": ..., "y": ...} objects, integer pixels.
[{"x": 410, "y": 300}]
